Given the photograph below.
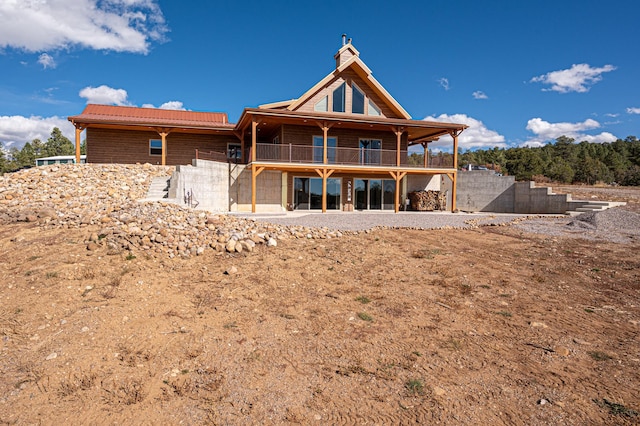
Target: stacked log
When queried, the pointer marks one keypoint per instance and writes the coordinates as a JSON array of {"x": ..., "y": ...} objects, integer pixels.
[{"x": 428, "y": 200}]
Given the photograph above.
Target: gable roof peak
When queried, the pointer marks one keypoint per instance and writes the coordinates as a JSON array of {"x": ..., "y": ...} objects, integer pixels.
[{"x": 346, "y": 52}]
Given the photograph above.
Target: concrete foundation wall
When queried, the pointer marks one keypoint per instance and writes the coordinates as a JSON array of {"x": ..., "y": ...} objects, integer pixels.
[
  {"x": 207, "y": 181},
  {"x": 484, "y": 191},
  {"x": 269, "y": 192},
  {"x": 423, "y": 183},
  {"x": 529, "y": 199}
]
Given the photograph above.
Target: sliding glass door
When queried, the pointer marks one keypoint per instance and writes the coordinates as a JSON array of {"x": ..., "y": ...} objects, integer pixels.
[
  {"x": 374, "y": 194},
  {"x": 308, "y": 193}
]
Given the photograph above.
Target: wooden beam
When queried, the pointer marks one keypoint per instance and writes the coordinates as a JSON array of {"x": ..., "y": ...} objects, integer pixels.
[
  {"x": 397, "y": 176},
  {"x": 78, "y": 132},
  {"x": 254, "y": 138},
  {"x": 255, "y": 171},
  {"x": 163, "y": 135},
  {"x": 425, "y": 155},
  {"x": 455, "y": 167},
  {"x": 398, "y": 131}
]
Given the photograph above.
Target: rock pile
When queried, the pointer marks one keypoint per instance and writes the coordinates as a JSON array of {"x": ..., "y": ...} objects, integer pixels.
[{"x": 76, "y": 196}]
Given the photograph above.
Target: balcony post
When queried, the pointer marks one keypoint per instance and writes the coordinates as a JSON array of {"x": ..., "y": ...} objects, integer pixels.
[
  {"x": 425, "y": 154},
  {"x": 454, "y": 135},
  {"x": 254, "y": 138},
  {"x": 79, "y": 130},
  {"x": 398, "y": 131},
  {"x": 325, "y": 159},
  {"x": 163, "y": 134}
]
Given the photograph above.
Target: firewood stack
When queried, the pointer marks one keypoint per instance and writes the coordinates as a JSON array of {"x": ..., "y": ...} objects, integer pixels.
[{"x": 428, "y": 200}]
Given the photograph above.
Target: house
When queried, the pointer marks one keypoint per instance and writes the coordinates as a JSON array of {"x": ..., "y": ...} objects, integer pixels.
[
  {"x": 59, "y": 159},
  {"x": 342, "y": 145}
]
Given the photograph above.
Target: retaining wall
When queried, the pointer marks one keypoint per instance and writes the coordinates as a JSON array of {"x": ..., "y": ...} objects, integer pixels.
[{"x": 484, "y": 191}]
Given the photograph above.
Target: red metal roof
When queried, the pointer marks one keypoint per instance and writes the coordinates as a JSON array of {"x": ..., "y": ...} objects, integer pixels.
[{"x": 111, "y": 114}]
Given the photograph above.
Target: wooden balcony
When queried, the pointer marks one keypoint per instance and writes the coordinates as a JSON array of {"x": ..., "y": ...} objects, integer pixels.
[{"x": 306, "y": 154}]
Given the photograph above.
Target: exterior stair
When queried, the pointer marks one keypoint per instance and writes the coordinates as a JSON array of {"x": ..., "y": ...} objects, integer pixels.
[
  {"x": 159, "y": 189},
  {"x": 594, "y": 206}
]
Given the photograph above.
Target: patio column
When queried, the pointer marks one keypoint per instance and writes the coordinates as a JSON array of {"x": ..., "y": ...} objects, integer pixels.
[
  {"x": 397, "y": 176},
  {"x": 398, "y": 131},
  {"x": 425, "y": 155},
  {"x": 255, "y": 171},
  {"x": 254, "y": 138},
  {"x": 325, "y": 159},
  {"x": 324, "y": 174},
  {"x": 454, "y": 135},
  {"x": 163, "y": 134},
  {"x": 79, "y": 130}
]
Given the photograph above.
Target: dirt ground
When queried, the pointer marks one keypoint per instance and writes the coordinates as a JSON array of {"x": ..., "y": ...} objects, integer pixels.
[{"x": 483, "y": 326}]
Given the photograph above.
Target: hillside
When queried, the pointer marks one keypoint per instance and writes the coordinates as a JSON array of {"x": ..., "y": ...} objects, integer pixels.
[{"x": 102, "y": 323}]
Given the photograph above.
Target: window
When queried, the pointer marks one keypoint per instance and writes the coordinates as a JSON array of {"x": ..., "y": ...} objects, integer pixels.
[
  {"x": 318, "y": 146},
  {"x": 234, "y": 151},
  {"x": 322, "y": 105},
  {"x": 276, "y": 140},
  {"x": 357, "y": 100},
  {"x": 373, "y": 109},
  {"x": 338, "y": 99},
  {"x": 155, "y": 147}
]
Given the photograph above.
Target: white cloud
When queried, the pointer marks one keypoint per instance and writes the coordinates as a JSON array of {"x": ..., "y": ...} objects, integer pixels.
[
  {"x": 478, "y": 94},
  {"x": 547, "y": 132},
  {"x": 476, "y": 136},
  {"x": 633, "y": 110},
  {"x": 119, "y": 25},
  {"x": 444, "y": 82},
  {"x": 578, "y": 78},
  {"x": 104, "y": 95},
  {"x": 16, "y": 130},
  {"x": 175, "y": 105},
  {"x": 46, "y": 61},
  {"x": 614, "y": 115}
]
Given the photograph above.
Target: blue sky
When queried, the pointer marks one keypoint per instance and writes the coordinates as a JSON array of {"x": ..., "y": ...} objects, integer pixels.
[{"x": 518, "y": 72}]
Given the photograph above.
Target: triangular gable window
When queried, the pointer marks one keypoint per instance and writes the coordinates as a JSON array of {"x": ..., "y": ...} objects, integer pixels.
[
  {"x": 322, "y": 105},
  {"x": 373, "y": 109},
  {"x": 339, "y": 98},
  {"x": 357, "y": 100}
]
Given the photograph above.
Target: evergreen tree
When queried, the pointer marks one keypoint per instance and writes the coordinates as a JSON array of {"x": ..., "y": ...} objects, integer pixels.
[{"x": 58, "y": 144}]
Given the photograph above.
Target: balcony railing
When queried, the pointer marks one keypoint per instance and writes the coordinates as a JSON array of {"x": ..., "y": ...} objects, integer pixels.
[{"x": 288, "y": 153}]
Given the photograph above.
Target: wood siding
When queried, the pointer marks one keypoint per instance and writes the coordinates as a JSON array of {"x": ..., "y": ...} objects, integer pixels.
[
  {"x": 348, "y": 76},
  {"x": 131, "y": 146},
  {"x": 347, "y": 138}
]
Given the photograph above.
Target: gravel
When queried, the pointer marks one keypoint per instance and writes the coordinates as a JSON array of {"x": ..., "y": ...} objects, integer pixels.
[
  {"x": 362, "y": 221},
  {"x": 615, "y": 225}
]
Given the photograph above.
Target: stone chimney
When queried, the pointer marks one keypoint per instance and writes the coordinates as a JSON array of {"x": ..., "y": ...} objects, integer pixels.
[{"x": 346, "y": 52}]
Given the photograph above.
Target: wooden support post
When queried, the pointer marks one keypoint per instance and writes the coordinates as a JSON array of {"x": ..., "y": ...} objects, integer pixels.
[
  {"x": 455, "y": 173},
  {"x": 254, "y": 138},
  {"x": 397, "y": 176},
  {"x": 325, "y": 159},
  {"x": 255, "y": 171},
  {"x": 163, "y": 135},
  {"x": 78, "y": 132},
  {"x": 324, "y": 174},
  {"x": 398, "y": 133},
  {"x": 425, "y": 155}
]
